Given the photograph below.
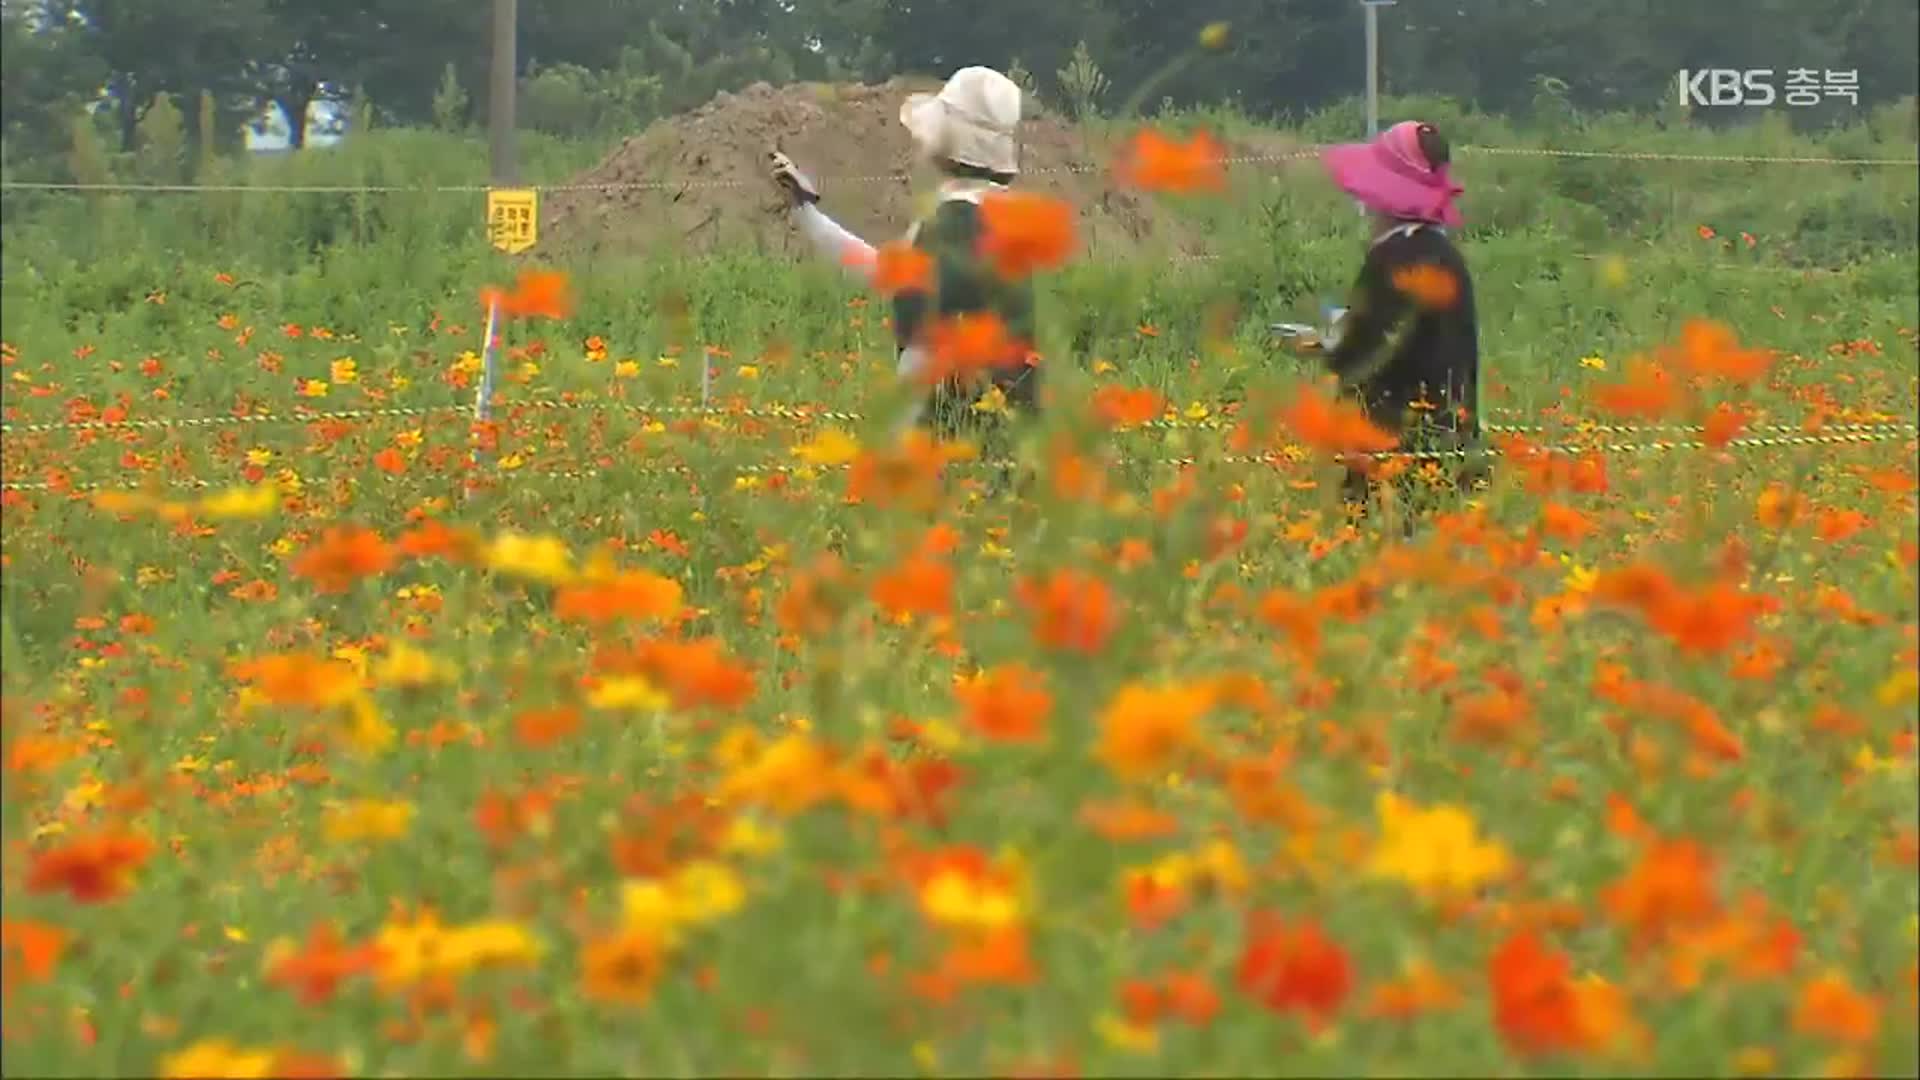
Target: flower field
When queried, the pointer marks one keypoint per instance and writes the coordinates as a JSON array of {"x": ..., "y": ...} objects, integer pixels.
[{"x": 623, "y": 734}]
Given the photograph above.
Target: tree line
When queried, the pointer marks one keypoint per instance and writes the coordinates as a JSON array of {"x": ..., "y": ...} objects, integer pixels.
[{"x": 603, "y": 64}]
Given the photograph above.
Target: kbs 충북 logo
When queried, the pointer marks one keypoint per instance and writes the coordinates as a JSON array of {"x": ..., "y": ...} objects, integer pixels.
[{"x": 1755, "y": 86}]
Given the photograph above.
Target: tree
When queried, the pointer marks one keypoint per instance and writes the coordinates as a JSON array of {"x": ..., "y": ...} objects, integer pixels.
[
  {"x": 51, "y": 76},
  {"x": 179, "y": 47},
  {"x": 313, "y": 52}
]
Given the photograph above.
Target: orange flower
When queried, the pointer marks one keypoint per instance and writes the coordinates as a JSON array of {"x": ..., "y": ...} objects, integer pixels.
[
  {"x": 962, "y": 346},
  {"x": 1421, "y": 990},
  {"x": 696, "y": 673},
  {"x": 1152, "y": 161},
  {"x": 1120, "y": 407},
  {"x": 1649, "y": 393},
  {"x": 621, "y": 969},
  {"x": 1835, "y": 526},
  {"x": 1294, "y": 968},
  {"x": 1297, "y": 617},
  {"x": 316, "y": 971},
  {"x": 1143, "y": 728},
  {"x": 1334, "y": 427},
  {"x": 541, "y": 728},
  {"x": 1007, "y": 704},
  {"x": 904, "y": 475},
  {"x": 1723, "y": 425},
  {"x": 1671, "y": 888},
  {"x": 920, "y": 586},
  {"x": 1534, "y": 1006},
  {"x": 1706, "y": 232},
  {"x": 629, "y": 595},
  {"x": 899, "y": 267},
  {"x": 39, "y": 946},
  {"x": 1024, "y": 233},
  {"x": 342, "y": 556},
  {"x": 537, "y": 294},
  {"x": 1711, "y": 349},
  {"x": 299, "y": 679},
  {"x": 1431, "y": 288},
  {"x": 1708, "y": 621},
  {"x": 1777, "y": 508},
  {"x": 91, "y": 868},
  {"x": 1072, "y": 611},
  {"x": 1829, "y": 1007}
]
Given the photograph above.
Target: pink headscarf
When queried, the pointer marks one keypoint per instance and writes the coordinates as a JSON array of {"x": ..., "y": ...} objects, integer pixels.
[{"x": 1391, "y": 176}]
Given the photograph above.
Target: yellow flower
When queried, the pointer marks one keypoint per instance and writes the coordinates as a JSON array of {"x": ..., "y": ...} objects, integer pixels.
[
  {"x": 628, "y": 692},
  {"x": 747, "y": 371},
  {"x": 745, "y": 836},
  {"x": 993, "y": 403},
  {"x": 495, "y": 942},
  {"x": 667, "y": 361},
  {"x": 366, "y": 730},
  {"x": 1434, "y": 850},
  {"x": 469, "y": 363},
  {"x": 1197, "y": 412},
  {"x": 1580, "y": 579},
  {"x": 1213, "y": 36},
  {"x": 218, "y": 1059},
  {"x": 1901, "y": 687},
  {"x": 829, "y": 447},
  {"x": 259, "y": 457},
  {"x": 1595, "y": 363},
  {"x": 407, "y": 666},
  {"x": 315, "y": 388},
  {"x": 1613, "y": 272},
  {"x": 344, "y": 370},
  {"x": 369, "y": 819},
  {"x": 1125, "y": 1035},
  {"x": 543, "y": 559},
  {"x": 956, "y": 899},
  {"x": 237, "y": 503}
]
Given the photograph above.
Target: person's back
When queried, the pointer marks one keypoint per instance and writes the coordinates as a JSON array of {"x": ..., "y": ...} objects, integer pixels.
[{"x": 1409, "y": 346}]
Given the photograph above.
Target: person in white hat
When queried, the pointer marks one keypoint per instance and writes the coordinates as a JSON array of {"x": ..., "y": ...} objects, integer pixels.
[{"x": 967, "y": 133}]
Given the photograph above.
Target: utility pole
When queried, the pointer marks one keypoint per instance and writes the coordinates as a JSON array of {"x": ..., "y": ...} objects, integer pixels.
[
  {"x": 500, "y": 103},
  {"x": 1373, "y": 63}
]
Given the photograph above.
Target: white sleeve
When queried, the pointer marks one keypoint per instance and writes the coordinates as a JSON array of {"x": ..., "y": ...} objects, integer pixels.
[{"x": 833, "y": 241}]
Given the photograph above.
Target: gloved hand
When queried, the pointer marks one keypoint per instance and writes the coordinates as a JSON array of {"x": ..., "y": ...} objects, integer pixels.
[{"x": 794, "y": 185}]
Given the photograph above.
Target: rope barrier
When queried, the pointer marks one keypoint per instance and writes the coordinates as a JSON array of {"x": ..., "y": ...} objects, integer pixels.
[
  {"x": 1854, "y": 438},
  {"x": 804, "y": 414},
  {"x": 1303, "y": 154}
]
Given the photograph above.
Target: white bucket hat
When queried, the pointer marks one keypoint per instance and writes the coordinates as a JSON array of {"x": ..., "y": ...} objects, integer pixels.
[{"x": 972, "y": 120}]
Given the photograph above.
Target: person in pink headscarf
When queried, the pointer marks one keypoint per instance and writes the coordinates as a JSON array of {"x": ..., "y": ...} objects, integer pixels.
[{"x": 1408, "y": 347}]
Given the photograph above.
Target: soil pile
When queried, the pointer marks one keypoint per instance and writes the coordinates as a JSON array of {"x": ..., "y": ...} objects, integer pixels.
[{"x": 700, "y": 177}]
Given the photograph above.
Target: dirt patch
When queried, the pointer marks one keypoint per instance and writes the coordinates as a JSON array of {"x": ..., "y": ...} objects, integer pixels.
[{"x": 705, "y": 187}]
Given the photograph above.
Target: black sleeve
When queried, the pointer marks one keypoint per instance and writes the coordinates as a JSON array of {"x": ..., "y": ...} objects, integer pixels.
[{"x": 1374, "y": 311}]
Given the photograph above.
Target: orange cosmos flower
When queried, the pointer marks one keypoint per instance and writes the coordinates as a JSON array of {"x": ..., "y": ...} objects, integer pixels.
[
  {"x": 1152, "y": 161},
  {"x": 541, "y": 728},
  {"x": 920, "y": 586},
  {"x": 1431, "y": 288},
  {"x": 342, "y": 556},
  {"x": 537, "y": 294},
  {"x": 962, "y": 346},
  {"x": 1671, "y": 888},
  {"x": 622, "y": 968},
  {"x": 696, "y": 673},
  {"x": 1723, "y": 425},
  {"x": 904, "y": 475},
  {"x": 1712, "y": 349},
  {"x": 1294, "y": 968},
  {"x": 1708, "y": 621},
  {"x": 1024, "y": 233},
  {"x": 1829, "y": 1007},
  {"x": 1333, "y": 426},
  {"x": 1006, "y": 704},
  {"x": 1127, "y": 821},
  {"x": 1648, "y": 393},
  {"x": 1534, "y": 1005},
  {"x": 1072, "y": 611},
  {"x": 1294, "y": 616},
  {"x": 315, "y": 971},
  {"x": 899, "y": 267},
  {"x": 1120, "y": 407},
  {"x": 629, "y": 595},
  {"x": 92, "y": 868},
  {"x": 38, "y": 947},
  {"x": 299, "y": 679},
  {"x": 1421, "y": 990},
  {"x": 1143, "y": 728}
]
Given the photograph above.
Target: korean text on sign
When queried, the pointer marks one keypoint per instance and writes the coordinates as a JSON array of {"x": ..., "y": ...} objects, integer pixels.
[{"x": 513, "y": 219}]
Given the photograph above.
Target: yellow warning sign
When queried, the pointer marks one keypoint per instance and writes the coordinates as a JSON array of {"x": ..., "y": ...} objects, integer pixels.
[{"x": 513, "y": 219}]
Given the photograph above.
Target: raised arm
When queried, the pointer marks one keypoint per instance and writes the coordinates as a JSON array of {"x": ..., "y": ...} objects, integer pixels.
[
  {"x": 1375, "y": 310},
  {"x": 827, "y": 236}
]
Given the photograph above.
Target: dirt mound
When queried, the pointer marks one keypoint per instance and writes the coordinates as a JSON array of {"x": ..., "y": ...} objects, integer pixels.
[{"x": 704, "y": 187}]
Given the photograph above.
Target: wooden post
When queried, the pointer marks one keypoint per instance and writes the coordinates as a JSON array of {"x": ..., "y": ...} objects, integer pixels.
[{"x": 500, "y": 102}]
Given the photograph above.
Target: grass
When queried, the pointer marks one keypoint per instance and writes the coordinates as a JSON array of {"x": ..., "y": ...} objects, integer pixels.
[{"x": 845, "y": 865}]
